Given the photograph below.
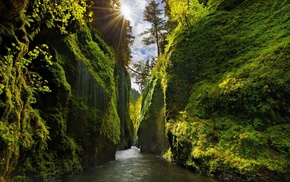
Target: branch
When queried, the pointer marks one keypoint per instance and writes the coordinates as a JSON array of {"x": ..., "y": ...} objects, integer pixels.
[{"x": 136, "y": 71}]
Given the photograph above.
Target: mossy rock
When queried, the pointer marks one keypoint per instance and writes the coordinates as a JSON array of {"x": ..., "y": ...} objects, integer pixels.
[
  {"x": 228, "y": 5},
  {"x": 234, "y": 124},
  {"x": 151, "y": 132}
]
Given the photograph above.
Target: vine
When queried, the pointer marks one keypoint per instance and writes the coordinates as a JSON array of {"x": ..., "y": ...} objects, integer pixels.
[
  {"x": 59, "y": 13},
  {"x": 33, "y": 79}
]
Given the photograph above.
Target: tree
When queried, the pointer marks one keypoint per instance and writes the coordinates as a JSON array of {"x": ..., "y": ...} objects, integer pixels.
[
  {"x": 155, "y": 34},
  {"x": 186, "y": 11},
  {"x": 127, "y": 40},
  {"x": 115, "y": 29},
  {"x": 141, "y": 71}
]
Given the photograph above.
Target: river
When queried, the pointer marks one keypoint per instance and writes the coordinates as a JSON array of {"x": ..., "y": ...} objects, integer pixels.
[{"x": 133, "y": 166}]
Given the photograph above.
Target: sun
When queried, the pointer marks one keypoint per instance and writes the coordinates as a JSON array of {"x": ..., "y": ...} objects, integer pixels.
[{"x": 126, "y": 11}]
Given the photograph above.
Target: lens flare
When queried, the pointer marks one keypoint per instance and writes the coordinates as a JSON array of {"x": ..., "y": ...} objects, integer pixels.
[
  {"x": 125, "y": 11},
  {"x": 112, "y": 22}
]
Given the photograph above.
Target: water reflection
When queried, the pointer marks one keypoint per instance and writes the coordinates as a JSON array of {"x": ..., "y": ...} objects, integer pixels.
[{"x": 132, "y": 166}]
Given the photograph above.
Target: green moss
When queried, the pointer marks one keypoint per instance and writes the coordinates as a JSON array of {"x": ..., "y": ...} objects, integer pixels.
[
  {"x": 23, "y": 131},
  {"x": 229, "y": 5},
  {"x": 111, "y": 125},
  {"x": 45, "y": 135},
  {"x": 227, "y": 92},
  {"x": 235, "y": 148},
  {"x": 74, "y": 124},
  {"x": 135, "y": 109},
  {"x": 92, "y": 56},
  {"x": 151, "y": 132}
]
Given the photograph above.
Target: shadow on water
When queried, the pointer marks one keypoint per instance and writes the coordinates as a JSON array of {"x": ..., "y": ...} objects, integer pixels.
[{"x": 132, "y": 166}]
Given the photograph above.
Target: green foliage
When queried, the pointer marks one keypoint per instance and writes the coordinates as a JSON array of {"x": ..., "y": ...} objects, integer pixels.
[
  {"x": 186, "y": 12},
  {"x": 135, "y": 109},
  {"x": 279, "y": 138},
  {"x": 151, "y": 132},
  {"x": 17, "y": 114},
  {"x": 7, "y": 133},
  {"x": 94, "y": 53},
  {"x": 229, "y": 5},
  {"x": 58, "y": 14},
  {"x": 141, "y": 72},
  {"x": 33, "y": 79},
  {"x": 223, "y": 145},
  {"x": 158, "y": 30},
  {"x": 230, "y": 79},
  {"x": 36, "y": 53},
  {"x": 134, "y": 95},
  {"x": 39, "y": 55},
  {"x": 110, "y": 127},
  {"x": 39, "y": 72},
  {"x": 125, "y": 46},
  {"x": 160, "y": 72},
  {"x": 89, "y": 119}
]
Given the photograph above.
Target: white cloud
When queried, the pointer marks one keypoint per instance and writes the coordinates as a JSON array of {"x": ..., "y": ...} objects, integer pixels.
[
  {"x": 139, "y": 50},
  {"x": 134, "y": 85},
  {"x": 145, "y": 53},
  {"x": 141, "y": 27},
  {"x": 137, "y": 7}
]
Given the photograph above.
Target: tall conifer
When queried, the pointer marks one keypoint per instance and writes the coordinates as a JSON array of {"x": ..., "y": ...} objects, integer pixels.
[{"x": 155, "y": 34}]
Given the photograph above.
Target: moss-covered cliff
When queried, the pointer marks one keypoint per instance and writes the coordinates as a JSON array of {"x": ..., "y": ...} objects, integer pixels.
[
  {"x": 151, "y": 132},
  {"x": 64, "y": 93},
  {"x": 226, "y": 88}
]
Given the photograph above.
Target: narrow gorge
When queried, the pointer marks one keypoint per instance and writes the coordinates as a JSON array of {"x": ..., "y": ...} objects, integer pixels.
[{"x": 215, "y": 99}]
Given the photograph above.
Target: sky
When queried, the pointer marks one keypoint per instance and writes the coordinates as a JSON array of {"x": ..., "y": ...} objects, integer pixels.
[{"x": 139, "y": 50}]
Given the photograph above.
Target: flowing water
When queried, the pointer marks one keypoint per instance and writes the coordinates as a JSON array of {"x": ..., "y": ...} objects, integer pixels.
[{"x": 132, "y": 166}]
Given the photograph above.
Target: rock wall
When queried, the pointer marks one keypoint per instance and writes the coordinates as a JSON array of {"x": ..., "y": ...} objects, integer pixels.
[
  {"x": 232, "y": 70},
  {"x": 63, "y": 102},
  {"x": 226, "y": 91},
  {"x": 151, "y": 132},
  {"x": 124, "y": 87}
]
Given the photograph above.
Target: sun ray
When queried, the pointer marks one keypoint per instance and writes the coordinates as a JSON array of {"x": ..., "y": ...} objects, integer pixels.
[
  {"x": 125, "y": 11},
  {"x": 112, "y": 22}
]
